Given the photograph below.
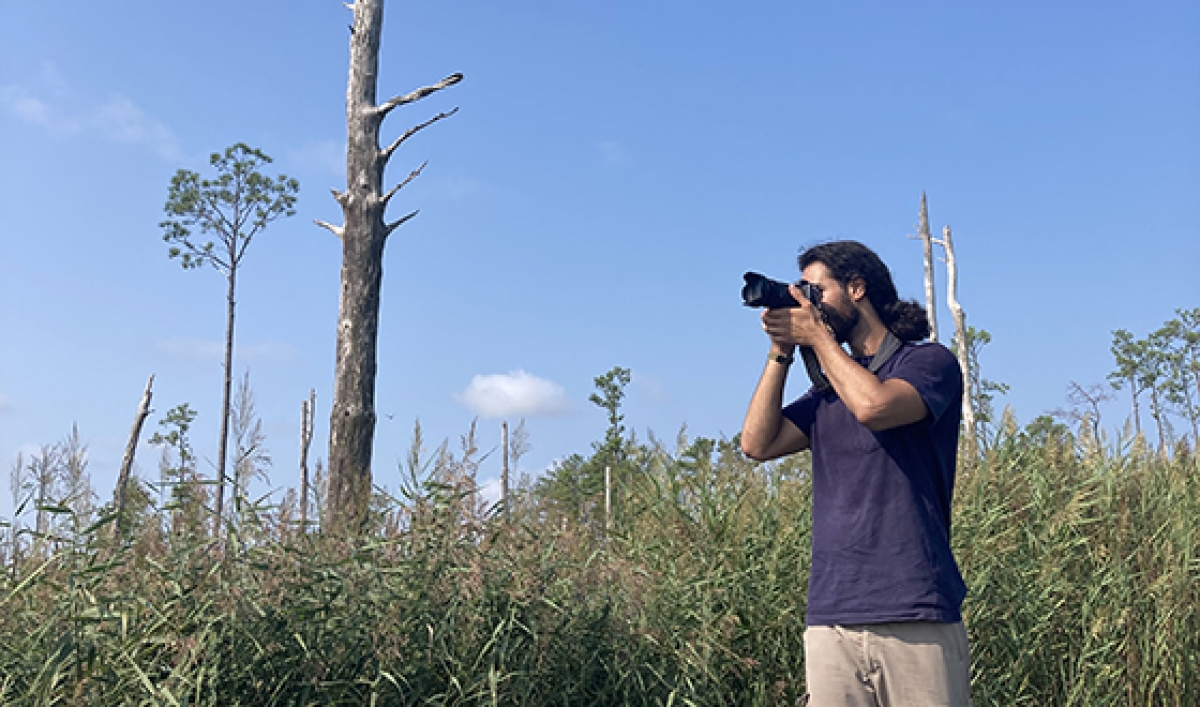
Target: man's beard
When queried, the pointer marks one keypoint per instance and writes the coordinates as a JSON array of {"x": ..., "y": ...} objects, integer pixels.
[{"x": 842, "y": 323}]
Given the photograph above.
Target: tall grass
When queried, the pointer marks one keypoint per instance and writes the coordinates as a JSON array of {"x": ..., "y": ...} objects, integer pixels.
[
  {"x": 1083, "y": 576},
  {"x": 1083, "y": 571}
]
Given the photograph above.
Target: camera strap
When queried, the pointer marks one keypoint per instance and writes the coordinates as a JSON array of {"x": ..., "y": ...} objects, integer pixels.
[{"x": 890, "y": 345}]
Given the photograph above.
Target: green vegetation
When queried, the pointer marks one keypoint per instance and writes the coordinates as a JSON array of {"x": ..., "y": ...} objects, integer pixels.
[
  {"x": 1083, "y": 559},
  {"x": 1084, "y": 567}
]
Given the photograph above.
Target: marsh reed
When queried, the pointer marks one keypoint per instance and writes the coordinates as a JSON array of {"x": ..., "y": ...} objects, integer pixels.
[{"x": 1083, "y": 567}]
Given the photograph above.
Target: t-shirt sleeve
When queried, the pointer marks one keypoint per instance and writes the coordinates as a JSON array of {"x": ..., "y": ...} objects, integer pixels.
[
  {"x": 803, "y": 411},
  {"x": 933, "y": 371}
]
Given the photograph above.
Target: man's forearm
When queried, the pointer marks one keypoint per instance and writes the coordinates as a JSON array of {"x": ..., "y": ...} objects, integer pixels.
[
  {"x": 858, "y": 388},
  {"x": 761, "y": 428},
  {"x": 877, "y": 405}
]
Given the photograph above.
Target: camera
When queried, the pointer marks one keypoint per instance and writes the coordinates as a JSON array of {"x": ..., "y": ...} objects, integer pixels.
[{"x": 762, "y": 291}]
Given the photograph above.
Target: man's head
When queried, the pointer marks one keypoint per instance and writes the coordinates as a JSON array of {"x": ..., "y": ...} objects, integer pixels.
[{"x": 853, "y": 278}]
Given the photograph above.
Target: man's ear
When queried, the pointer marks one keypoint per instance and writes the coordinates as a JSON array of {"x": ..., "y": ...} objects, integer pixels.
[{"x": 856, "y": 288}]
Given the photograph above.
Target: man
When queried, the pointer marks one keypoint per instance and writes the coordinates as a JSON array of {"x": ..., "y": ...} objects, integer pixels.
[{"x": 884, "y": 627}]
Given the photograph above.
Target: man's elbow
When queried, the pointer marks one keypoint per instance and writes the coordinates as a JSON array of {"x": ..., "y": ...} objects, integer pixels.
[
  {"x": 873, "y": 419},
  {"x": 878, "y": 418},
  {"x": 755, "y": 450},
  {"x": 895, "y": 404}
]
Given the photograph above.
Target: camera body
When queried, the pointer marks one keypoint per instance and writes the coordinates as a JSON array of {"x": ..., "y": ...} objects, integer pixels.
[{"x": 762, "y": 291}]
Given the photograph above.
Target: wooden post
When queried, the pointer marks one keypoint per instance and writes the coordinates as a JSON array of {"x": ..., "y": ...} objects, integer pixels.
[{"x": 127, "y": 461}]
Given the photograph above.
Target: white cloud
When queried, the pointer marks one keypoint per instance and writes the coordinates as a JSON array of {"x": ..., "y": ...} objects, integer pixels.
[
  {"x": 206, "y": 350},
  {"x": 51, "y": 104},
  {"x": 6, "y": 403},
  {"x": 515, "y": 394}
]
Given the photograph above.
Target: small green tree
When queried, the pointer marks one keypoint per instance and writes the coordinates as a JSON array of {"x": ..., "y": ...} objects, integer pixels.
[
  {"x": 234, "y": 207},
  {"x": 178, "y": 470},
  {"x": 1189, "y": 333},
  {"x": 1127, "y": 353},
  {"x": 1181, "y": 342},
  {"x": 569, "y": 487},
  {"x": 1156, "y": 379},
  {"x": 609, "y": 395},
  {"x": 575, "y": 486}
]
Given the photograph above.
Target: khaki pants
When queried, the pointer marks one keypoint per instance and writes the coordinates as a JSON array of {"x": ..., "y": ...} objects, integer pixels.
[{"x": 920, "y": 664}]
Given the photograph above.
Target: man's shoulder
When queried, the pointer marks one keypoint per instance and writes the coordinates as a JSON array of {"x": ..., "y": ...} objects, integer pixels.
[
  {"x": 929, "y": 353},
  {"x": 932, "y": 369},
  {"x": 927, "y": 365}
]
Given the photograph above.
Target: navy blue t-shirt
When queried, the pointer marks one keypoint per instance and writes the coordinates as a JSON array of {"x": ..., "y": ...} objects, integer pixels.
[{"x": 881, "y": 501}]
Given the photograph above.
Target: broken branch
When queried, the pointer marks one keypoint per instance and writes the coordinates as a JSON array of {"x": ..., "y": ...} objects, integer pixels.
[
  {"x": 412, "y": 175},
  {"x": 397, "y": 224},
  {"x": 387, "y": 152},
  {"x": 336, "y": 230},
  {"x": 417, "y": 95}
]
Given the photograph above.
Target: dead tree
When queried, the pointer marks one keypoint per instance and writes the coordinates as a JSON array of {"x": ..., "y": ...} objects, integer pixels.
[
  {"x": 960, "y": 339},
  {"x": 308, "y": 409},
  {"x": 927, "y": 241},
  {"x": 364, "y": 234},
  {"x": 143, "y": 412}
]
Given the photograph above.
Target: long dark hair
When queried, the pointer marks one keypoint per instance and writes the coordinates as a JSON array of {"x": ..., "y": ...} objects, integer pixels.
[{"x": 847, "y": 260}]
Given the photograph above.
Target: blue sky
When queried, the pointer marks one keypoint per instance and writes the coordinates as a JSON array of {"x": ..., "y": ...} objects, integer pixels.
[{"x": 612, "y": 171}]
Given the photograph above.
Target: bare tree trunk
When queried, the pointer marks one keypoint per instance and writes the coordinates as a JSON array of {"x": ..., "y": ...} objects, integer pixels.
[
  {"x": 927, "y": 241},
  {"x": 960, "y": 340},
  {"x": 143, "y": 412},
  {"x": 226, "y": 398},
  {"x": 364, "y": 234},
  {"x": 308, "y": 410},
  {"x": 504, "y": 467}
]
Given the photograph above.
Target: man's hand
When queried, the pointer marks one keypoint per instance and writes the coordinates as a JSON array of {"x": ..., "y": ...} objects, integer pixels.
[{"x": 795, "y": 326}]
